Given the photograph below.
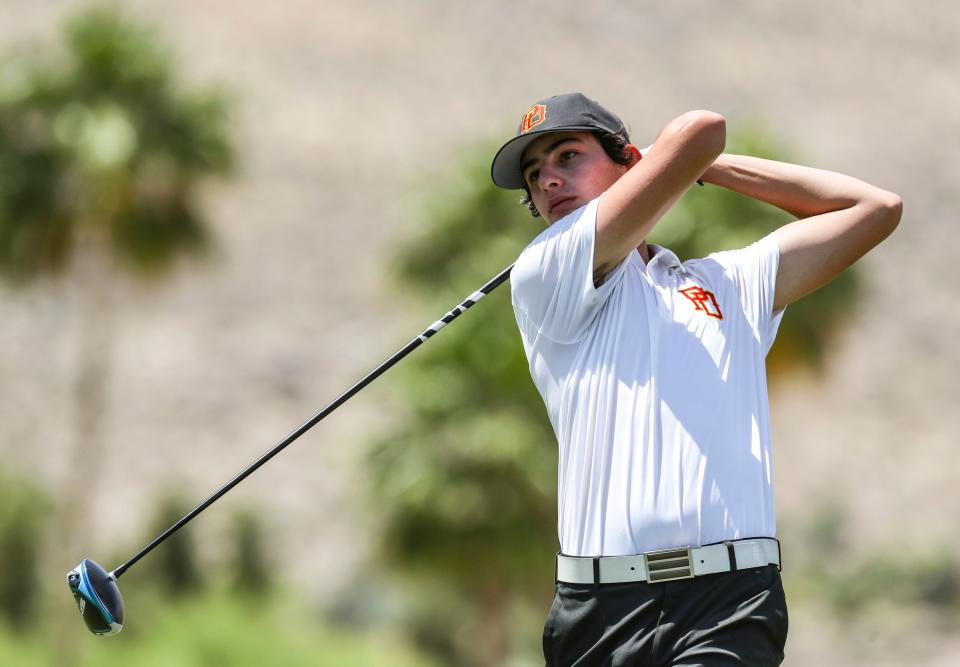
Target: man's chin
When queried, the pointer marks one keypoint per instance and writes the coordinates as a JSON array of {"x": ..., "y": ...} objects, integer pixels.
[{"x": 563, "y": 208}]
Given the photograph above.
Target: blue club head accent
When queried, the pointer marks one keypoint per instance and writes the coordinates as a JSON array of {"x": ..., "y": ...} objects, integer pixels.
[{"x": 98, "y": 598}]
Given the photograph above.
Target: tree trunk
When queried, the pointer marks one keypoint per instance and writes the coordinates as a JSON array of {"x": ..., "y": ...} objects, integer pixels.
[
  {"x": 494, "y": 642},
  {"x": 94, "y": 344},
  {"x": 94, "y": 293}
]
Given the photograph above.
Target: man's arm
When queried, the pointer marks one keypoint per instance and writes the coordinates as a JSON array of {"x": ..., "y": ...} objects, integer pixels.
[
  {"x": 841, "y": 218},
  {"x": 630, "y": 208}
]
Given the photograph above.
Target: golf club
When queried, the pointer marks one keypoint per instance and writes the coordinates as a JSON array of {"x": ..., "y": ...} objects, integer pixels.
[{"x": 95, "y": 590}]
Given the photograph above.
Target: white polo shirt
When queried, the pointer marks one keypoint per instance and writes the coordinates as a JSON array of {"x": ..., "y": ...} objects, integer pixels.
[{"x": 656, "y": 387}]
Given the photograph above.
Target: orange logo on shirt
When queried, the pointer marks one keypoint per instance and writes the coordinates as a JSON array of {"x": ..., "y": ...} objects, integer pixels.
[
  {"x": 536, "y": 115},
  {"x": 703, "y": 301}
]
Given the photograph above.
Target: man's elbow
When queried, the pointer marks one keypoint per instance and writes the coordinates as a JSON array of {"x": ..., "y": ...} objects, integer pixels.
[
  {"x": 701, "y": 134},
  {"x": 889, "y": 210},
  {"x": 711, "y": 132}
]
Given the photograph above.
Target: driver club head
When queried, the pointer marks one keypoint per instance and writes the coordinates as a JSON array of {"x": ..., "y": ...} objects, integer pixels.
[{"x": 98, "y": 597}]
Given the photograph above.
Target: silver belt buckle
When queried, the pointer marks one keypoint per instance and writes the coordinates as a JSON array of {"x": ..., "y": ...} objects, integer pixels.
[{"x": 668, "y": 565}]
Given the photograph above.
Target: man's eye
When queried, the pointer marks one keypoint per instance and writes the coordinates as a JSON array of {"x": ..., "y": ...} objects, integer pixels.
[
  {"x": 533, "y": 176},
  {"x": 567, "y": 155}
]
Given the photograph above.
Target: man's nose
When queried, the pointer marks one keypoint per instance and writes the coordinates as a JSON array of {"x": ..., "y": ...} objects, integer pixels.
[{"x": 549, "y": 179}]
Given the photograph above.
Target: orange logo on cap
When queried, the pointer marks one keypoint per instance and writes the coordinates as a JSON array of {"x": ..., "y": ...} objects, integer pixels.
[{"x": 536, "y": 115}]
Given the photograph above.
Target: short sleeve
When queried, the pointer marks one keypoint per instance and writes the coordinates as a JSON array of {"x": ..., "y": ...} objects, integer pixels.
[
  {"x": 552, "y": 282},
  {"x": 754, "y": 271}
]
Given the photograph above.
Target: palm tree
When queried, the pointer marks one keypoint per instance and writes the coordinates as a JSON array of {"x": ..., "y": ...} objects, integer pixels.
[
  {"x": 465, "y": 483},
  {"x": 101, "y": 156}
]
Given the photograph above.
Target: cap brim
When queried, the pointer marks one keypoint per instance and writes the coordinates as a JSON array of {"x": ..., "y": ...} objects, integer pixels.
[{"x": 505, "y": 170}]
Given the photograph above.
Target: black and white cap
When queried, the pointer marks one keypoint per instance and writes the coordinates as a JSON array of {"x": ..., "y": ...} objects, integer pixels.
[{"x": 573, "y": 111}]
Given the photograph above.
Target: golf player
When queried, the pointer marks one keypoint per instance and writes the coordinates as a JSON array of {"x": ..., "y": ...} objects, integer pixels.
[{"x": 652, "y": 372}]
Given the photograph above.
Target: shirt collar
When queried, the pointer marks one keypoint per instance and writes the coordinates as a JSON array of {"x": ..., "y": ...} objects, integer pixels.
[{"x": 663, "y": 256}]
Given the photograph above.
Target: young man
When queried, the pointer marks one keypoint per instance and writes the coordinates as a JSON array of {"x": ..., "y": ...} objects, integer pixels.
[{"x": 652, "y": 372}]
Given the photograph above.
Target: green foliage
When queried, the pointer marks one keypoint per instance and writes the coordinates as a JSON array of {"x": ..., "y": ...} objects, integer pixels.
[
  {"x": 102, "y": 142},
  {"x": 827, "y": 534},
  {"x": 711, "y": 219},
  {"x": 906, "y": 577},
  {"x": 174, "y": 566},
  {"x": 470, "y": 476},
  {"x": 466, "y": 484},
  {"x": 910, "y": 576},
  {"x": 250, "y": 562},
  {"x": 216, "y": 629},
  {"x": 24, "y": 510}
]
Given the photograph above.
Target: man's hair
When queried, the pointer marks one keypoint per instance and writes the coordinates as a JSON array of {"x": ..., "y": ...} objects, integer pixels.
[{"x": 614, "y": 145}]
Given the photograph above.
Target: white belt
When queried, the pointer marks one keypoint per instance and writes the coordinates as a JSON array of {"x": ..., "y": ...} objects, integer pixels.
[{"x": 670, "y": 564}]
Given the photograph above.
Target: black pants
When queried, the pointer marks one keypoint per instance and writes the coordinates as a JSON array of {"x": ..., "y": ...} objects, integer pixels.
[{"x": 733, "y": 618}]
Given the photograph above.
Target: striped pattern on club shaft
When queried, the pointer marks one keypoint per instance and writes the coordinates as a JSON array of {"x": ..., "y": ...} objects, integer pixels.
[{"x": 451, "y": 315}]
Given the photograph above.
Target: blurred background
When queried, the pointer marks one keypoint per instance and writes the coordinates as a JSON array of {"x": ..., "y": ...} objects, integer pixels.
[{"x": 214, "y": 217}]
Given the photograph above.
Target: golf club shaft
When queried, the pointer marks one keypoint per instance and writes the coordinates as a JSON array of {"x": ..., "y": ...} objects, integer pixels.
[{"x": 340, "y": 400}]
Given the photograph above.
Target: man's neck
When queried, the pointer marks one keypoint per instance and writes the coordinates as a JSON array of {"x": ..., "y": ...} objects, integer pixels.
[{"x": 644, "y": 252}]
